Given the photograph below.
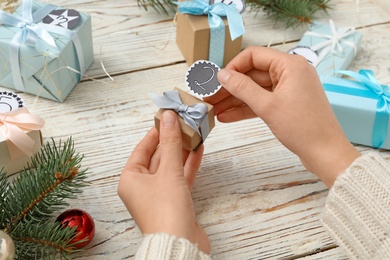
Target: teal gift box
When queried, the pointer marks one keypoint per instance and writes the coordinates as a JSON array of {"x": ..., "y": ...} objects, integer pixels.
[
  {"x": 334, "y": 47},
  {"x": 43, "y": 59},
  {"x": 362, "y": 107}
]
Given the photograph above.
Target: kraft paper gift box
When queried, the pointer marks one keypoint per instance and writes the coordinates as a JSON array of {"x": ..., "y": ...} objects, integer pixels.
[
  {"x": 47, "y": 65},
  {"x": 359, "y": 106},
  {"x": 191, "y": 139},
  {"x": 193, "y": 37},
  {"x": 20, "y": 138},
  {"x": 14, "y": 165},
  {"x": 336, "y": 47}
]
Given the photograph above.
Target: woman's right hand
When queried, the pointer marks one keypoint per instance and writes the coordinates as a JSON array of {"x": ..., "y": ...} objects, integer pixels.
[{"x": 285, "y": 91}]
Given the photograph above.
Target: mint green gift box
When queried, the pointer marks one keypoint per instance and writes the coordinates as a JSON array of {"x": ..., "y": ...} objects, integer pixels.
[
  {"x": 47, "y": 71},
  {"x": 336, "y": 47},
  {"x": 362, "y": 107}
]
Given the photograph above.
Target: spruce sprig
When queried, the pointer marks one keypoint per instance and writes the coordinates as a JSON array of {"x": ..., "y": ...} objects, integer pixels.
[
  {"x": 3, "y": 189},
  {"x": 29, "y": 201},
  {"x": 43, "y": 240},
  {"x": 291, "y": 13},
  {"x": 164, "y": 6}
]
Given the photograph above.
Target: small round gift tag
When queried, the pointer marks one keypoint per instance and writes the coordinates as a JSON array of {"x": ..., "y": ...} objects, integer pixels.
[
  {"x": 201, "y": 78},
  {"x": 67, "y": 18},
  {"x": 305, "y": 51},
  {"x": 9, "y": 101}
]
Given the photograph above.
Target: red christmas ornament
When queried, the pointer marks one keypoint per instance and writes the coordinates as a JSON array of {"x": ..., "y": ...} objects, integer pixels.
[{"x": 84, "y": 223}]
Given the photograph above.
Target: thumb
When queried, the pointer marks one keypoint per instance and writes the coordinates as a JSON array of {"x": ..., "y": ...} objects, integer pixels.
[
  {"x": 170, "y": 141},
  {"x": 244, "y": 88}
]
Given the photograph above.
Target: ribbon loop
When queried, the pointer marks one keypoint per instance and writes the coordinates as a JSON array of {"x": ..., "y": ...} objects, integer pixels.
[
  {"x": 370, "y": 88},
  {"x": 194, "y": 115},
  {"x": 14, "y": 126},
  {"x": 30, "y": 31},
  {"x": 333, "y": 42},
  {"x": 217, "y": 27}
]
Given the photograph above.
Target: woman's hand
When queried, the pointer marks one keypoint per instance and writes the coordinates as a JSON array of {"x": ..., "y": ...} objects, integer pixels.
[
  {"x": 285, "y": 91},
  {"x": 156, "y": 184}
]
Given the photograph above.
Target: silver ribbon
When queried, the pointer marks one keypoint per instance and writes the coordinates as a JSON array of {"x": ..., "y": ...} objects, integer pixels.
[
  {"x": 30, "y": 31},
  {"x": 194, "y": 115}
]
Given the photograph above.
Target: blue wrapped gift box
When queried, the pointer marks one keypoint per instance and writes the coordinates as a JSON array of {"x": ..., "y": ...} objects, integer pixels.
[
  {"x": 45, "y": 70},
  {"x": 361, "y": 107},
  {"x": 335, "y": 47}
]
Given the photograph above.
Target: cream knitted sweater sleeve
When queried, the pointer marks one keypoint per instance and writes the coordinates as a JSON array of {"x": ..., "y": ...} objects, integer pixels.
[
  {"x": 167, "y": 247},
  {"x": 357, "y": 211}
]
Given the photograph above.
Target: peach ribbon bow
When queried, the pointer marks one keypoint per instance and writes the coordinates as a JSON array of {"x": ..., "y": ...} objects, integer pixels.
[{"x": 14, "y": 126}]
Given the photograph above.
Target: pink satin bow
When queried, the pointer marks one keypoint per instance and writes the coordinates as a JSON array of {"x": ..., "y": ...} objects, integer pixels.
[{"x": 14, "y": 126}]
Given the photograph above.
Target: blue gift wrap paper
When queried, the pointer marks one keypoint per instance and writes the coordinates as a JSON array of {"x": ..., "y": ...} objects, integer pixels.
[
  {"x": 336, "y": 47},
  {"x": 48, "y": 67}
]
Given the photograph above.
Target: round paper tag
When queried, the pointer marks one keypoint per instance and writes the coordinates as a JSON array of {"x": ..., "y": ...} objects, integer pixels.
[
  {"x": 67, "y": 18},
  {"x": 9, "y": 101},
  {"x": 305, "y": 51},
  {"x": 201, "y": 78}
]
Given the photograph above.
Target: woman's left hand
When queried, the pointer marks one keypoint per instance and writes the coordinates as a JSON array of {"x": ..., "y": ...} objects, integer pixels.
[{"x": 157, "y": 181}]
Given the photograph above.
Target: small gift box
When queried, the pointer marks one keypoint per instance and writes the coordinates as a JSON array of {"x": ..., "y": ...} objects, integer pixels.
[
  {"x": 361, "y": 107},
  {"x": 44, "y": 49},
  {"x": 20, "y": 135},
  {"x": 196, "y": 117},
  {"x": 329, "y": 48},
  {"x": 202, "y": 33}
]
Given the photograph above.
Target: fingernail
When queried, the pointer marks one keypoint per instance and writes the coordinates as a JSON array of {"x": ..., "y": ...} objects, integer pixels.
[
  {"x": 223, "y": 75},
  {"x": 168, "y": 118}
]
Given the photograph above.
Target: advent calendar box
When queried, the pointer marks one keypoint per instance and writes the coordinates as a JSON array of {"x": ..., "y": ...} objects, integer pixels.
[{"x": 44, "y": 49}]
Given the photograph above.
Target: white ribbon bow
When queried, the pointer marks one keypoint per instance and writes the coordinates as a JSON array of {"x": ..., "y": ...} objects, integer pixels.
[{"x": 334, "y": 41}]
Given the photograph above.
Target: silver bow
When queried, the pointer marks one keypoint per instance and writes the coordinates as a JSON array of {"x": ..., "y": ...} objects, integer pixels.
[{"x": 194, "y": 115}]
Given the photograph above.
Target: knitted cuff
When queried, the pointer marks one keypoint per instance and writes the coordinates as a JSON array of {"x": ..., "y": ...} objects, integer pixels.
[
  {"x": 357, "y": 211},
  {"x": 163, "y": 246}
]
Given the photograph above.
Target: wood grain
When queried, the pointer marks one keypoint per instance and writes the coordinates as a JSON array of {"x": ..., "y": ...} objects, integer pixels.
[{"x": 252, "y": 196}]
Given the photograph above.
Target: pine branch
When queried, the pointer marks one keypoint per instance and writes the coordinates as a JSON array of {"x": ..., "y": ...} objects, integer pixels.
[
  {"x": 3, "y": 189},
  {"x": 323, "y": 5},
  {"x": 28, "y": 203},
  {"x": 290, "y": 12},
  {"x": 52, "y": 177},
  {"x": 43, "y": 240},
  {"x": 165, "y": 6}
]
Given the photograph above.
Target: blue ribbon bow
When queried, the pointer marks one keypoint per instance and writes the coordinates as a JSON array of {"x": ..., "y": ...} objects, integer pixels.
[
  {"x": 370, "y": 88},
  {"x": 30, "y": 31},
  {"x": 217, "y": 26},
  {"x": 195, "y": 115}
]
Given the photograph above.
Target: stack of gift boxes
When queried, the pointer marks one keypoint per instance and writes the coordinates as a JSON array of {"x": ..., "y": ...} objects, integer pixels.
[
  {"x": 359, "y": 101},
  {"x": 45, "y": 55},
  {"x": 44, "y": 50}
]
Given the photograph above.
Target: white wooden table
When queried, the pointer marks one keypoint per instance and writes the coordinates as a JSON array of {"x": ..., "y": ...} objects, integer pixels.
[{"x": 252, "y": 196}]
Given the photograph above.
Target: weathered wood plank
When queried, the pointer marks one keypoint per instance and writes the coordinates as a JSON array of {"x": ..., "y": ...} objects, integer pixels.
[
  {"x": 252, "y": 196},
  {"x": 150, "y": 41}
]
